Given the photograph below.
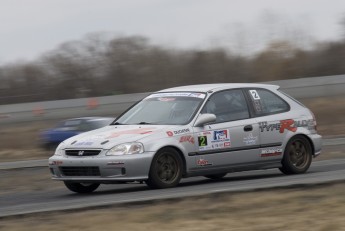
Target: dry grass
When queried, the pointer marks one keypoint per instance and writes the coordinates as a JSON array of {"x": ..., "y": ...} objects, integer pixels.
[
  {"x": 320, "y": 208},
  {"x": 330, "y": 114},
  {"x": 27, "y": 180}
]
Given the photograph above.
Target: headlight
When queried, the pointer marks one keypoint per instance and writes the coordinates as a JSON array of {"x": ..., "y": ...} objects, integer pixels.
[
  {"x": 60, "y": 150},
  {"x": 127, "y": 148}
]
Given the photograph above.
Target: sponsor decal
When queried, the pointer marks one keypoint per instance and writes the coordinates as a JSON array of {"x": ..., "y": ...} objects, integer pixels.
[
  {"x": 309, "y": 124},
  {"x": 257, "y": 106},
  {"x": 203, "y": 162},
  {"x": 177, "y": 94},
  {"x": 268, "y": 152},
  {"x": 220, "y": 135},
  {"x": 265, "y": 126},
  {"x": 288, "y": 124},
  {"x": 197, "y": 95},
  {"x": 226, "y": 144},
  {"x": 86, "y": 143},
  {"x": 141, "y": 131},
  {"x": 250, "y": 139},
  {"x": 254, "y": 94},
  {"x": 166, "y": 99},
  {"x": 182, "y": 131},
  {"x": 189, "y": 139},
  {"x": 178, "y": 132},
  {"x": 214, "y": 139}
]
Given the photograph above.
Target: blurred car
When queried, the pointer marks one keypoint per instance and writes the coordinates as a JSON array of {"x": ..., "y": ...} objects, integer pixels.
[
  {"x": 52, "y": 137},
  {"x": 200, "y": 130}
]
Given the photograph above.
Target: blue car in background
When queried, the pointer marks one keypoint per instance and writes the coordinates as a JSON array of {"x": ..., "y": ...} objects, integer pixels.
[{"x": 52, "y": 137}]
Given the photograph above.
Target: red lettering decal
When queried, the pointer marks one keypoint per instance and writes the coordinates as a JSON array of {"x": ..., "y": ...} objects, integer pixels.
[
  {"x": 202, "y": 162},
  {"x": 189, "y": 139},
  {"x": 227, "y": 144},
  {"x": 170, "y": 133},
  {"x": 133, "y": 131},
  {"x": 287, "y": 124}
]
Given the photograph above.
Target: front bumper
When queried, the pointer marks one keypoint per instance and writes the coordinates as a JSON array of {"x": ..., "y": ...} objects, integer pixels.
[
  {"x": 317, "y": 143},
  {"x": 101, "y": 169}
]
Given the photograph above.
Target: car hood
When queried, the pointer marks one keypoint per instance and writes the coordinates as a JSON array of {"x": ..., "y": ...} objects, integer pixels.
[{"x": 109, "y": 136}]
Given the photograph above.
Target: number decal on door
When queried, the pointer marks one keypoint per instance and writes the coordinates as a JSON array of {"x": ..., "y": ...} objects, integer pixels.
[
  {"x": 202, "y": 140},
  {"x": 254, "y": 94}
]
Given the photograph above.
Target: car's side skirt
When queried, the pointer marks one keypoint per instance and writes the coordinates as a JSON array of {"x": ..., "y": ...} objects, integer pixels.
[
  {"x": 209, "y": 170},
  {"x": 234, "y": 149}
]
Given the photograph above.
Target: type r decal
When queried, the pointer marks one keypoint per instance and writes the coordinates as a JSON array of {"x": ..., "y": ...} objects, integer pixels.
[{"x": 288, "y": 124}]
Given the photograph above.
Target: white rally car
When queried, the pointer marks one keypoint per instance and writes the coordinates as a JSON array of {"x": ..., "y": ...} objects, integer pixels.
[{"x": 201, "y": 130}]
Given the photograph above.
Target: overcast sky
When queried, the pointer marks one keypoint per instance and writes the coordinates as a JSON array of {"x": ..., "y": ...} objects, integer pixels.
[{"x": 28, "y": 28}]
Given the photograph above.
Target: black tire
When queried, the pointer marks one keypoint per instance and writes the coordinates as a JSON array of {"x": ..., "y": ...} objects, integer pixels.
[
  {"x": 81, "y": 187},
  {"x": 166, "y": 169},
  {"x": 216, "y": 176},
  {"x": 297, "y": 156}
]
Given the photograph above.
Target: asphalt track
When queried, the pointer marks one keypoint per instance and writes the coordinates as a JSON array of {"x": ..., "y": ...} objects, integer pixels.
[{"x": 21, "y": 203}]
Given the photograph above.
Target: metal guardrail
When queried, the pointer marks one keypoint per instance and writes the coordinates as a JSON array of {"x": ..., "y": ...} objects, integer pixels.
[{"x": 114, "y": 105}]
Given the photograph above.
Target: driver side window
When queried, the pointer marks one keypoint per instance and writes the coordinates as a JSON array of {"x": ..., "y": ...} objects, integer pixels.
[{"x": 227, "y": 105}]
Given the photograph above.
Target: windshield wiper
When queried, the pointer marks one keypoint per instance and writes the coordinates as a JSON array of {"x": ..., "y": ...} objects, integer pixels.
[
  {"x": 144, "y": 123},
  {"x": 117, "y": 123}
]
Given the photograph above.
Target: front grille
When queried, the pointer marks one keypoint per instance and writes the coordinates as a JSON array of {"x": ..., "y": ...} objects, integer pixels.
[
  {"x": 80, "y": 171},
  {"x": 82, "y": 152}
]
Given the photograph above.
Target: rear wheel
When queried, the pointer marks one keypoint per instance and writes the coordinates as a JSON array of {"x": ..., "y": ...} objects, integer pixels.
[
  {"x": 166, "y": 169},
  {"x": 81, "y": 187},
  {"x": 297, "y": 156},
  {"x": 216, "y": 176}
]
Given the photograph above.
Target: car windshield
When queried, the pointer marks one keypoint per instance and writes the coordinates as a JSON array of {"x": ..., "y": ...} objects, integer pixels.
[
  {"x": 69, "y": 123},
  {"x": 174, "y": 108},
  {"x": 94, "y": 124}
]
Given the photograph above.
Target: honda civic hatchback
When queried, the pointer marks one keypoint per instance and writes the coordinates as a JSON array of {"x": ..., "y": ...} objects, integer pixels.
[{"x": 200, "y": 130}]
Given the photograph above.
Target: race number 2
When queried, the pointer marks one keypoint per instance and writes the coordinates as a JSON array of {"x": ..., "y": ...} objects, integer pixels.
[
  {"x": 202, "y": 140},
  {"x": 254, "y": 94}
]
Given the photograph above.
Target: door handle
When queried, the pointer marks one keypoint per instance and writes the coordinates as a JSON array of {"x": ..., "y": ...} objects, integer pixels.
[{"x": 248, "y": 128}]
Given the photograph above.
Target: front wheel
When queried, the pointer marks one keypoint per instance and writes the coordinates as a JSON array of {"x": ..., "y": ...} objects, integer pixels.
[
  {"x": 81, "y": 187},
  {"x": 166, "y": 169},
  {"x": 297, "y": 156}
]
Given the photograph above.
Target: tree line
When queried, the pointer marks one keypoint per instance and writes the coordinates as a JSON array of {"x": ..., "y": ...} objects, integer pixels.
[{"x": 96, "y": 66}]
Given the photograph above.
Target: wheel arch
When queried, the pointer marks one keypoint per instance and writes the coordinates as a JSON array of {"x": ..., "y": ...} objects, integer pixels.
[
  {"x": 184, "y": 167},
  {"x": 305, "y": 136}
]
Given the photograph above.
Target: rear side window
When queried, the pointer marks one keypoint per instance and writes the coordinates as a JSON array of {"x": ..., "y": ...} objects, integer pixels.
[{"x": 266, "y": 102}]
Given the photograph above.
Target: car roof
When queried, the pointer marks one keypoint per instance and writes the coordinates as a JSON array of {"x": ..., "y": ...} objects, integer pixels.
[{"x": 219, "y": 86}]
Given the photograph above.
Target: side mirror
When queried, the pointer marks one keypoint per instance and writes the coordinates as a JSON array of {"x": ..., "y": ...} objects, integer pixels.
[{"x": 204, "y": 119}]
